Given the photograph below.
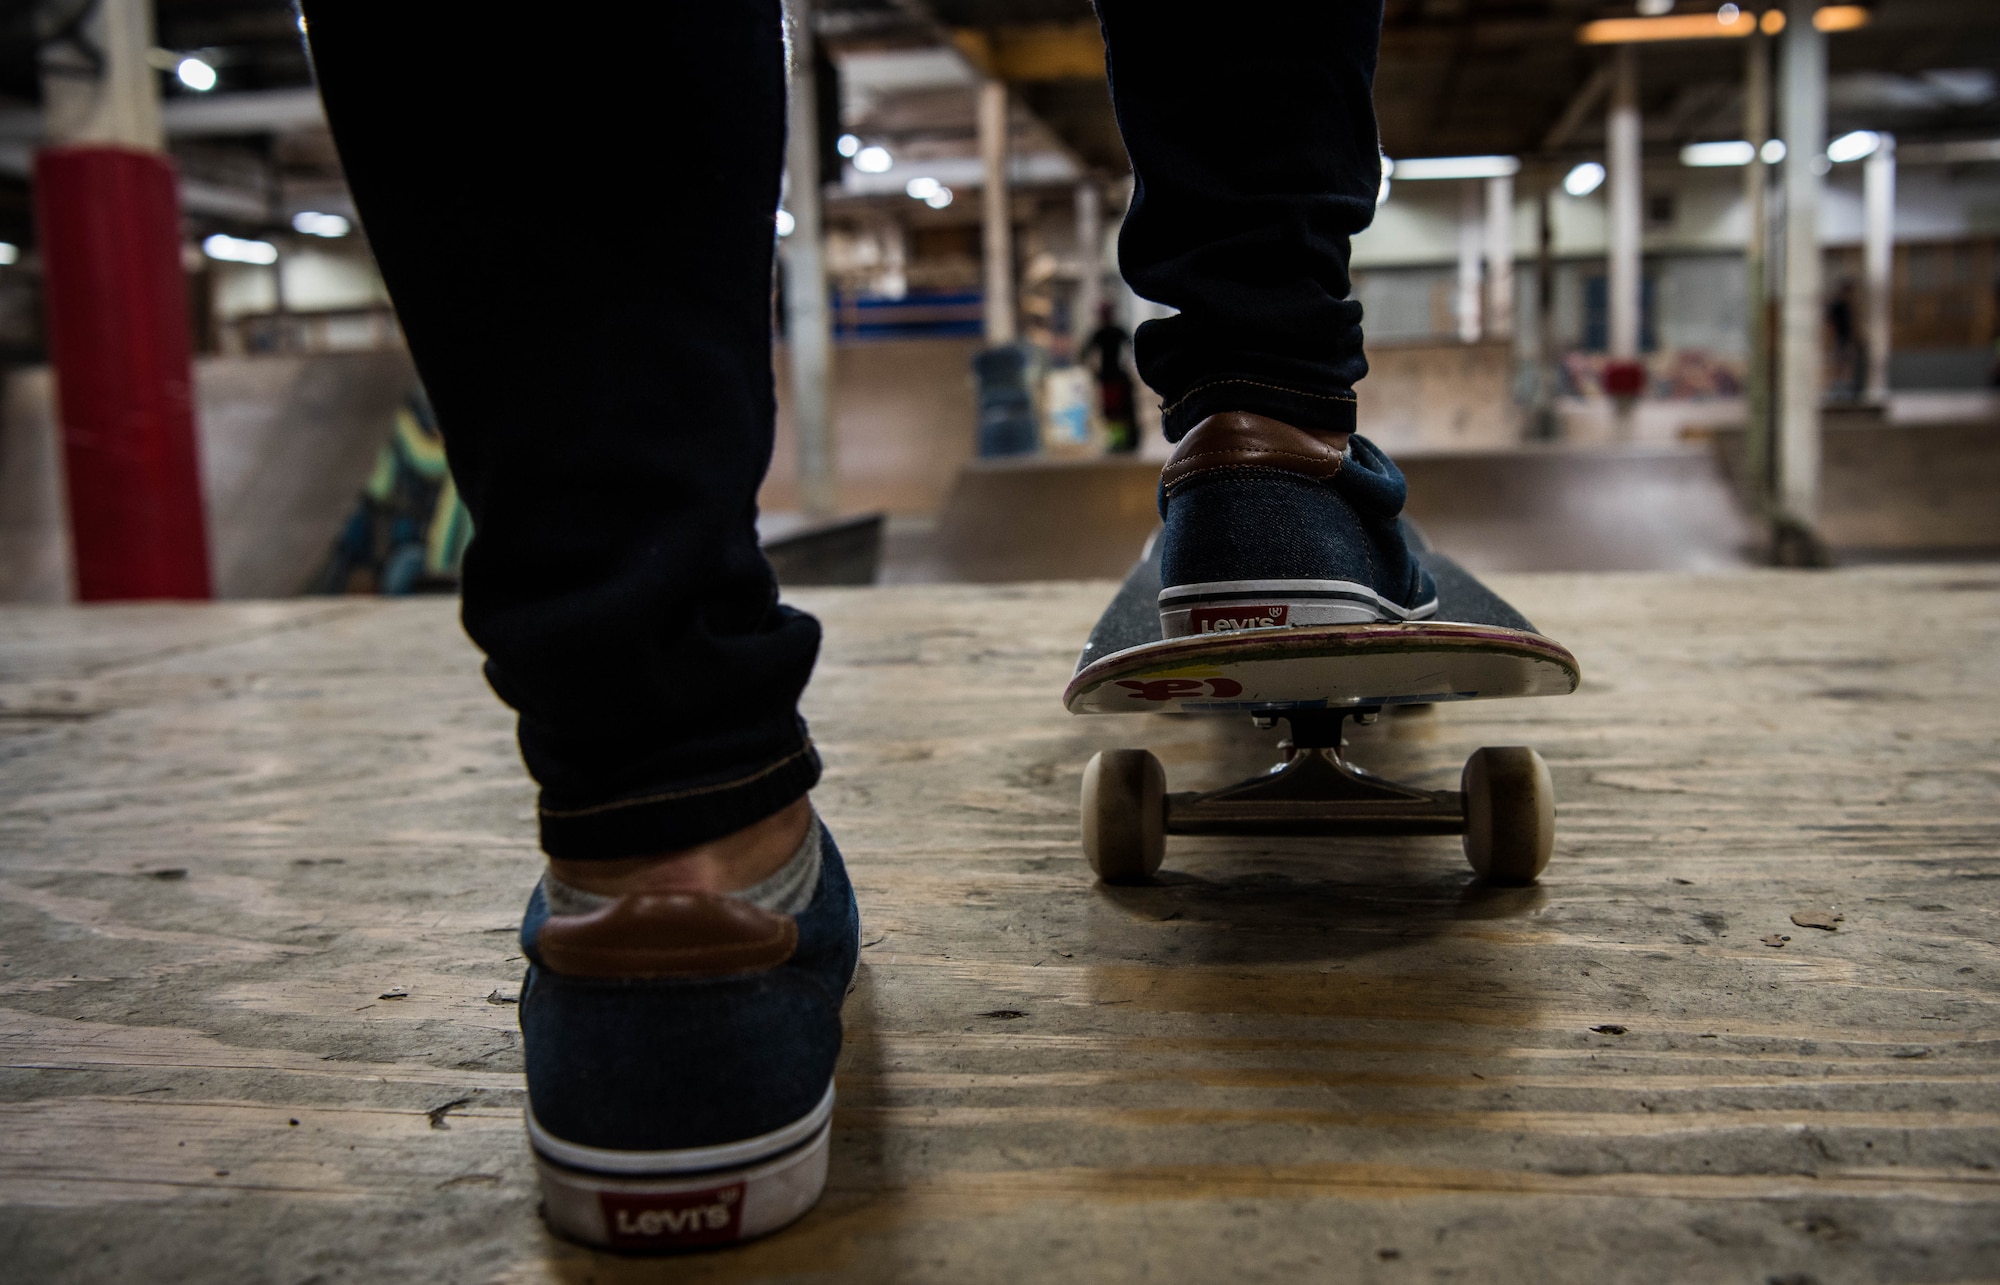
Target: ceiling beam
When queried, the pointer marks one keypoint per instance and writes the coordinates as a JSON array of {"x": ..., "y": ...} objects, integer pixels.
[{"x": 1035, "y": 51}]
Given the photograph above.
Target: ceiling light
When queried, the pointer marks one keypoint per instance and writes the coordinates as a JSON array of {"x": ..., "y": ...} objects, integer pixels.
[
  {"x": 939, "y": 199},
  {"x": 195, "y": 74},
  {"x": 9, "y": 253},
  {"x": 1854, "y": 146},
  {"x": 847, "y": 144},
  {"x": 315, "y": 224},
  {"x": 1702, "y": 155},
  {"x": 1655, "y": 8},
  {"x": 922, "y": 188},
  {"x": 235, "y": 249},
  {"x": 786, "y": 222},
  {"x": 1773, "y": 151},
  {"x": 873, "y": 160},
  {"x": 1584, "y": 179},
  {"x": 1727, "y": 21},
  {"x": 1429, "y": 167}
]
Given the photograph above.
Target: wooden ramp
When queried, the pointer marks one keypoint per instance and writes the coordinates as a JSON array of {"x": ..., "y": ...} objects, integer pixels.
[{"x": 260, "y": 866}]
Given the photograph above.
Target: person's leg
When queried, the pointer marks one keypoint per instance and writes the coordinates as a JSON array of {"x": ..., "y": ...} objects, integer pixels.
[
  {"x": 582, "y": 266},
  {"x": 1255, "y": 158}
]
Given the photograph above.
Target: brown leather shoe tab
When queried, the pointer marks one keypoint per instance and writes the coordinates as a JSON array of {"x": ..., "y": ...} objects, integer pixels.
[
  {"x": 674, "y": 934},
  {"x": 1236, "y": 439}
]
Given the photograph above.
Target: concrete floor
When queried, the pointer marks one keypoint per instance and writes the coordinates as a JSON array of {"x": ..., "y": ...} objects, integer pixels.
[{"x": 260, "y": 866}]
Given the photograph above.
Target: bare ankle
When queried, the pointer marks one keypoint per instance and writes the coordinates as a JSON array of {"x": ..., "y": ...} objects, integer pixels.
[{"x": 728, "y": 864}]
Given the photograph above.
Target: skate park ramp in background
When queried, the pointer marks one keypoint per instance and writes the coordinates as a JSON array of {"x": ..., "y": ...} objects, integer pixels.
[
  {"x": 1634, "y": 508},
  {"x": 286, "y": 444},
  {"x": 1526, "y": 509}
]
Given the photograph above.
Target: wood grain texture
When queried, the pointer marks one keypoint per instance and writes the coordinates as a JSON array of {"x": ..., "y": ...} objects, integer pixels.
[{"x": 228, "y": 832}]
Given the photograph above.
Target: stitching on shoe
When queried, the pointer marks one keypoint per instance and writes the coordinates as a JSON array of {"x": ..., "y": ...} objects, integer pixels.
[
  {"x": 1252, "y": 383},
  {"x": 668, "y": 796},
  {"x": 1190, "y": 479},
  {"x": 1337, "y": 459}
]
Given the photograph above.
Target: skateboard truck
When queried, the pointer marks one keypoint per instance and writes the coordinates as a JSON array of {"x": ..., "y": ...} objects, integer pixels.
[
  {"x": 1315, "y": 791},
  {"x": 1504, "y": 806}
]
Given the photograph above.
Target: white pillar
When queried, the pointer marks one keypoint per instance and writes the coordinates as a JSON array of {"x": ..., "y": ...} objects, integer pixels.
[
  {"x": 1757, "y": 444},
  {"x": 1500, "y": 257},
  {"x": 115, "y": 102},
  {"x": 808, "y": 320},
  {"x": 1802, "y": 50},
  {"x": 1622, "y": 184},
  {"x": 1471, "y": 238},
  {"x": 1089, "y": 261},
  {"x": 1878, "y": 178},
  {"x": 997, "y": 209}
]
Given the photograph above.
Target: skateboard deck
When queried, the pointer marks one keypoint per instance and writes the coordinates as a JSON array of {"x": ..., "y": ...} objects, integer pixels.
[{"x": 1477, "y": 647}]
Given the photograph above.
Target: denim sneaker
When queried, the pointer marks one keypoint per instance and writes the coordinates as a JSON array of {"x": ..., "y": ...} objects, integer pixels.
[
  {"x": 680, "y": 1052},
  {"x": 1269, "y": 526}
]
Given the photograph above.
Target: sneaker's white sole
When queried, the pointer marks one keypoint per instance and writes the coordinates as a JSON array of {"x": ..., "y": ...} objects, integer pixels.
[
  {"x": 700, "y": 1198},
  {"x": 1225, "y": 606}
]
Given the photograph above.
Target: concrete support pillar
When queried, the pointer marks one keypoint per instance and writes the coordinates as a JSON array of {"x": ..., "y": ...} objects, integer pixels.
[
  {"x": 1547, "y": 377},
  {"x": 1089, "y": 260},
  {"x": 1500, "y": 257},
  {"x": 109, "y": 216},
  {"x": 1758, "y": 448},
  {"x": 1622, "y": 183},
  {"x": 1471, "y": 243},
  {"x": 1802, "y": 51},
  {"x": 1878, "y": 178},
  {"x": 997, "y": 210},
  {"x": 808, "y": 319}
]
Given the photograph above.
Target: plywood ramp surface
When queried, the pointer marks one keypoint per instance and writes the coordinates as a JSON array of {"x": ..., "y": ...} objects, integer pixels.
[{"x": 260, "y": 867}]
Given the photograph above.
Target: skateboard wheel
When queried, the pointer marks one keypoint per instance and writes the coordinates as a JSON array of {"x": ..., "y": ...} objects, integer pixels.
[
  {"x": 1124, "y": 815},
  {"x": 1510, "y": 813}
]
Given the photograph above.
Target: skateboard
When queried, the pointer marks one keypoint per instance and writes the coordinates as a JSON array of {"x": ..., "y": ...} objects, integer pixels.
[{"x": 1315, "y": 678}]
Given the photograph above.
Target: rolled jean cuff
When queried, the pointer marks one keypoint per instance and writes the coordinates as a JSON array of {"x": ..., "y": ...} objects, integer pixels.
[
  {"x": 671, "y": 818},
  {"x": 1325, "y": 412}
]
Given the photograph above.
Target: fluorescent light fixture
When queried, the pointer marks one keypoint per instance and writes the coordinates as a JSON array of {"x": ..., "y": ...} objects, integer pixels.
[
  {"x": 195, "y": 74},
  {"x": 939, "y": 199},
  {"x": 786, "y": 222},
  {"x": 1584, "y": 179},
  {"x": 1853, "y": 146},
  {"x": 313, "y": 223},
  {"x": 235, "y": 249},
  {"x": 1703, "y": 155},
  {"x": 1840, "y": 17},
  {"x": 922, "y": 188},
  {"x": 1429, "y": 167},
  {"x": 9, "y": 253},
  {"x": 1773, "y": 151},
  {"x": 847, "y": 145},
  {"x": 873, "y": 160},
  {"x": 1728, "y": 21}
]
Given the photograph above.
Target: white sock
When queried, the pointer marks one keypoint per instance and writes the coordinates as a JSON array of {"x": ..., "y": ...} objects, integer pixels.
[{"x": 786, "y": 892}]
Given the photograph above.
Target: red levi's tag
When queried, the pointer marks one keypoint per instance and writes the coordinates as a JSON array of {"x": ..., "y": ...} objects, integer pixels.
[
  {"x": 1214, "y": 620},
  {"x": 669, "y": 1220}
]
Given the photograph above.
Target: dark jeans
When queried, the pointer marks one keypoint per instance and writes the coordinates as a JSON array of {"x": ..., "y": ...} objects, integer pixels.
[{"x": 578, "y": 240}]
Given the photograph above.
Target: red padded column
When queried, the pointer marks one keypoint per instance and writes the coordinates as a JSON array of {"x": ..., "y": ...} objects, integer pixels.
[{"x": 118, "y": 335}]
